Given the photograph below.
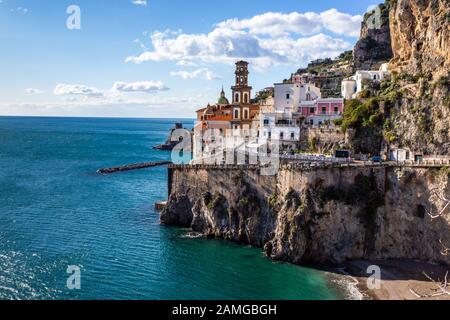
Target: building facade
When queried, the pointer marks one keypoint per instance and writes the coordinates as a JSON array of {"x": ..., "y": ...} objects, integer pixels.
[
  {"x": 227, "y": 126},
  {"x": 355, "y": 84}
]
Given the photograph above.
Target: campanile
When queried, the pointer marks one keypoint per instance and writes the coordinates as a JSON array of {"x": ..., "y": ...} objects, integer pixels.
[{"x": 241, "y": 90}]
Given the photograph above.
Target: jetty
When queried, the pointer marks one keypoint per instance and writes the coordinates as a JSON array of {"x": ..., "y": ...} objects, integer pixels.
[{"x": 135, "y": 166}]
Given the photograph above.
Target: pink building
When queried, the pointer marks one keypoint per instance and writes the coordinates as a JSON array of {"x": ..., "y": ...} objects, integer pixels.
[{"x": 321, "y": 111}]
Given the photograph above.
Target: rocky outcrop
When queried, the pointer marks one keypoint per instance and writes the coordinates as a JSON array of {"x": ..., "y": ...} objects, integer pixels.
[
  {"x": 419, "y": 117},
  {"x": 414, "y": 105},
  {"x": 324, "y": 215},
  {"x": 420, "y": 32},
  {"x": 178, "y": 211},
  {"x": 374, "y": 45}
]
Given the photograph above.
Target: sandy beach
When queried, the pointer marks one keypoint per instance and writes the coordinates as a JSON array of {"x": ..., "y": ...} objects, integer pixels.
[{"x": 400, "y": 280}]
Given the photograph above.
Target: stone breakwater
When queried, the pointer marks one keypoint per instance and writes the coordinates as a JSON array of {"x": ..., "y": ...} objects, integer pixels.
[
  {"x": 326, "y": 214},
  {"x": 135, "y": 166}
]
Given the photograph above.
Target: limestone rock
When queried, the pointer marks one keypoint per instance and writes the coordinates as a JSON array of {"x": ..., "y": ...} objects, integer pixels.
[{"x": 374, "y": 45}]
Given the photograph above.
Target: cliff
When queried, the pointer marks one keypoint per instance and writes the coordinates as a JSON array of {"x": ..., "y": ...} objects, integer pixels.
[
  {"x": 412, "y": 109},
  {"x": 420, "y": 33},
  {"x": 304, "y": 215},
  {"x": 419, "y": 117},
  {"x": 374, "y": 46}
]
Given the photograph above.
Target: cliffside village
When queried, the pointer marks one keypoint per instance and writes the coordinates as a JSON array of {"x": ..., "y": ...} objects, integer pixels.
[{"x": 292, "y": 115}]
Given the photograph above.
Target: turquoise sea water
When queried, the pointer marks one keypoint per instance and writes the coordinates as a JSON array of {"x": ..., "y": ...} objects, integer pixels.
[{"x": 55, "y": 211}]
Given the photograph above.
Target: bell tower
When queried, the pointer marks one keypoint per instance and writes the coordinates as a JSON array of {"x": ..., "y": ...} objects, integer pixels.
[{"x": 241, "y": 89}]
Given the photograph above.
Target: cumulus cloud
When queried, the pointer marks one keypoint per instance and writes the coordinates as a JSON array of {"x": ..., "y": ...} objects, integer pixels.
[
  {"x": 309, "y": 23},
  {"x": 140, "y": 2},
  {"x": 202, "y": 73},
  {"x": 141, "y": 86},
  {"x": 264, "y": 40},
  {"x": 77, "y": 90},
  {"x": 220, "y": 45}
]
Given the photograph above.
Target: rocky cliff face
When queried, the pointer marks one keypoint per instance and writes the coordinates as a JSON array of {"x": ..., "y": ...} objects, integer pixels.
[
  {"x": 322, "y": 215},
  {"x": 374, "y": 45},
  {"x": 420, "y": 32},
  {"x": 415, "y": 104}
]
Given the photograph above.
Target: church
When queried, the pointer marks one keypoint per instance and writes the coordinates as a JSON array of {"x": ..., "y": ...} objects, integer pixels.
[{"x": 237, "y": 120}]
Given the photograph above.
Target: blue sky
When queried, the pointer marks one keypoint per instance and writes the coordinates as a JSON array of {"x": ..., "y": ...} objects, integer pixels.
[{"x": 164, "y": 58}]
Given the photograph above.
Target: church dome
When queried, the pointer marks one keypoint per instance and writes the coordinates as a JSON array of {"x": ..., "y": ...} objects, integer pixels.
[{"x": 223, "y": 99}]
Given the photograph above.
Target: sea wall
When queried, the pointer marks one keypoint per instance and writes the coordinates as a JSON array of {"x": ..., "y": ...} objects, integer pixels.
[{"x": 317, "y": 215}]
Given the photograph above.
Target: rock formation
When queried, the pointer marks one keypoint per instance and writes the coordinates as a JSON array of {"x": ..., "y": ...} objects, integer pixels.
[
  {"x": 419, "y": 118},
  {"x": 374, "y": 45},
  {"x": 324, "y": 215}
]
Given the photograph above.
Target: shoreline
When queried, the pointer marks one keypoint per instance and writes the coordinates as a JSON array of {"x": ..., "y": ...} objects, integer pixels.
[{"x": 400, "y": 280}]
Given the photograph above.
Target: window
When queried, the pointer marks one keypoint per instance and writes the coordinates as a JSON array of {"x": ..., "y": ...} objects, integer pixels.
[
  {"x": 281, "y": 135},
  {"x": 292, "y": 135},
  {"x": 308, "y": 97},
  {"x": 236, "y": 97},
  {"x": 236, "y": 113},
  {"x": 324, "y": 110},
  {"x": 288, "y": 96},
  {"x": 336, "y": 110},
  {"x": 245, "y": 114},
  {"x": 266, "y": 122},
  {"x": 311, "y": 110},
  {"x": 270, "y": 134},
  {"x": 245, "y": 97}
]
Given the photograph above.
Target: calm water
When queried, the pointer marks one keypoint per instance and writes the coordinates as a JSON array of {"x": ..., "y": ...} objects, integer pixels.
[{"x": 55, "y": 211}]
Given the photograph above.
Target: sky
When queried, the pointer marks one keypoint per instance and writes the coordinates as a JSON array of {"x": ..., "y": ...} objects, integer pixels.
[{"x": 157, "y": 58}]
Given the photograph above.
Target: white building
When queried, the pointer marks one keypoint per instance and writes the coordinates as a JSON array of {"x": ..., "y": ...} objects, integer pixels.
[
  {"x": 279, "y": 126},
  {"x": 355, "y": 84}
]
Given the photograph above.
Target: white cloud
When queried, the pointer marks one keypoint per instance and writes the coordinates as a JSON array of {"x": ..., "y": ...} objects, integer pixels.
[
  {"x": 139, "y": 2},
  {"x": 76, "y": 89},
  {"x": 202, "y": 73},
  {"x": 141, "y": 86},
  {"x": 227, "y": 46},
  {"x": 32, "y": 90},
  {"x": 220, "y": 45},
  {"x": 309, "y": 23},
  {"x": 342, "y": 23},
  {"x": 19, "y": 10},
  {"x": 264, "y": 40}
]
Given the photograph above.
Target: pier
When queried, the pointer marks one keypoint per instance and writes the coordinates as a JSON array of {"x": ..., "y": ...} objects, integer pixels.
[{"x": 135, "y": 166}]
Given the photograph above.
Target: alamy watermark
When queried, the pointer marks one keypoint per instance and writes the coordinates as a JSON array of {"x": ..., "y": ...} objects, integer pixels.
[
  {"x": 74, "y": 279},
  {"x": 73, "y": 22},
  {"x": 374, "y": 280},
  {"x": 226, "y": 147}
]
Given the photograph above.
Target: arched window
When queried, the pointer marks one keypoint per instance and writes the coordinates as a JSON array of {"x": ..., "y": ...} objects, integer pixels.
[
  {"x": 308, "y": 97},
  {"x": 245, "y": 97},
  {"x": 236, "y": 97},
  {"x": 236, "y": 114},
  {"x": 245, "y": 114}
]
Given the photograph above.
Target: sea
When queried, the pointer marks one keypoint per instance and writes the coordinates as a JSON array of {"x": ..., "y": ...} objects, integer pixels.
[{"x": 67, "y": 232}]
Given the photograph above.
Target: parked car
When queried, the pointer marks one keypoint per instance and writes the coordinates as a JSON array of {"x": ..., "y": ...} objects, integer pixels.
[{"x": 376, "y": 159}]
